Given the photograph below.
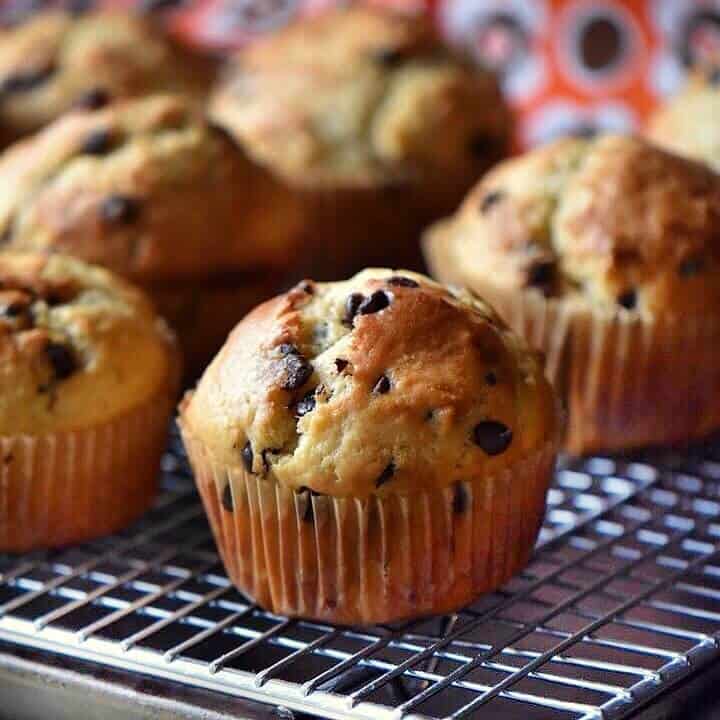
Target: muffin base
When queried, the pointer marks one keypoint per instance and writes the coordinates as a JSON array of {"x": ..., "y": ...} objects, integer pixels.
[
  {"x": 351, "y": 561},
  {"x": 64, "y": 488},
  {"x": 625, "y": 381},
  {"x": 203, "y": 313}
]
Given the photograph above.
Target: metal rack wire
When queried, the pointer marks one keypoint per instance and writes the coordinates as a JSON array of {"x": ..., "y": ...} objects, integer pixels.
[{"x": 621, "y": 600}]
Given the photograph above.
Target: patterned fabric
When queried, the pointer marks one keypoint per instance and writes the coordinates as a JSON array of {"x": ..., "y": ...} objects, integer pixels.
[{"x": 567, "y": 65}]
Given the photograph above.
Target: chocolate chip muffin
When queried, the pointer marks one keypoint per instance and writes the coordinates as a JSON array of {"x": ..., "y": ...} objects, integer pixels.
[
  {"x": 605, "y": 254},
  {"x": 57, "y": 61},
  {"x": 688, "y": 123},
  {"x": 366, "y": 114},
  {"x": 372, "y": 450},
  {"x": 151, "y": 190},
  {"x": 88, "y": 376}
]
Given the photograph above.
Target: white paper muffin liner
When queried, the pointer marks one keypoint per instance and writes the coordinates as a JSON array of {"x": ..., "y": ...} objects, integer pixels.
[
  {"x": 352, "y": 561},
  {"x": 66, "y": 487},
  {"x": 625, "y": 381}
]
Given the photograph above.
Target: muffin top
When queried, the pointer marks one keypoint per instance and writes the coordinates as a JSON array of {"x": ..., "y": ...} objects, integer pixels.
[
  {"x": 613, "y": 221},
  {"x": 147, "y": 188},
  {"x": 56, "y": 61},
  {"x": 688, "y": 123},
  {"x": 78, "y": 346},
  {"x": 385, "y": 383},
  {"x": 361, "y": 96}
]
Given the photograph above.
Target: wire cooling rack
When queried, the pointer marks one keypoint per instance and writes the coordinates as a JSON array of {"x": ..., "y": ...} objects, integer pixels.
[{"x": 621, "y": 601}]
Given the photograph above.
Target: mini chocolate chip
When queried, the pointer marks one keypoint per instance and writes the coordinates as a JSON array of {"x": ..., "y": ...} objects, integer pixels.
[
  {"x": 14, "y": 309},
  {"x": 341, "y": 364},
  {"x": 6, "y": 234},
  {"x": 493, "y": 437},
  {"x": 386, "y": 474},
  {"x": 541, "y": 274},
  {"x": 491, "y": 378},
  {"x": 98, "y": 142},
  {"x": 119, "y": 209},
  {"x": 378, "y": 301},
  {"x": 690, "y": 266},
  {"x": 382, "y": 385},
  {"x": 460, "y": 499},
  {"x": 264, "y": 455},
  {"x": 227, "y": 498},
  {"x": 388, "y": 56},
  {"x": 26, "y": 80},
  {"x": 628, "y": 299},
  {"x": 93, "y": 99},
  {"x": 402, "y": 281},
  {"x": 352, "y": 305},
  {"x": 305, "y": 405},
  {"x": 714, "y": 76},
  {"x": 490, "y": 199},
  {"x": 297, "y": 369},
  {"x": 484, "y": 146},
  {"x": 306, "y": 495},
  {"x": 247, "y": 456},
  {"x": 62, "y": 359},
  {"x": 79, "y": 7},
  {"x": 306, "y": 286}
]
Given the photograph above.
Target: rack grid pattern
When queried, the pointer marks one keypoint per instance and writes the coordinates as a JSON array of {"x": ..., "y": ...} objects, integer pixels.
[{"x": 621, "y": 599}]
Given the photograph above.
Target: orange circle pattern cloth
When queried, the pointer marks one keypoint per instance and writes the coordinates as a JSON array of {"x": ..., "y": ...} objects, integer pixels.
[{"x": 567, "y": 66}]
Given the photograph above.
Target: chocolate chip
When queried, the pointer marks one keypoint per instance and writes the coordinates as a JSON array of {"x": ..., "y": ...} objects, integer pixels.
[
  {"x": 297, "y": 370},
  {"x": 14, "y": 309},
  {"x": 382, "y": 385},
  {"x": 247, "y": 456},
  {"x": 460, "y": 499},
  {"x": 628, "y": 299},
  {"x": 386, "y": 474},
  {"x": 541, "y": 274},
  {"x": 341, "y": 364},
  {"x": 306, "y": 286},
  {"x": 352, "y": 305},
  {"x": 227, "y": 498},
  {"x": 152, "y": 6},
  {"x": 690, "y": 267},
  {"x": 484, "y": 147},
  {"x": 98, "y": 142},
  {"x": 378, "y": 301},
  {"x": 493, "y": 437},
  {"x": 306, "y": 495},
  {"x": 305, "y": 405},
  {"x": 6, "y": 234},
  {"x": 93, "y": 99},
  {"x": 388, "y": 57},
  {"x": 62, "y": 359},
  {"x": 26, "y": 80},
  {"x": 402, "y": 281},
  {"x": 79, "y": 7},
  {"x": 119, "y": 209},
  {"x": 264, "y": 455},
  {"x": 714, "y": 77},
  {"x": 490, "y": 199},
  {"x": 491, "y": 378}
]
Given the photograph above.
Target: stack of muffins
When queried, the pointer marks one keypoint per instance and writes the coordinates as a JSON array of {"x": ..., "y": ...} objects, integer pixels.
[{"x": 367, "y": 450}]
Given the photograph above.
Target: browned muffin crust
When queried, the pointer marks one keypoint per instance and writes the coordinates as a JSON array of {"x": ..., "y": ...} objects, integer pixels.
[
  {"x": 386, "y": 383},
  {"x": 613, "y": 221},
  {"x": 149, "y": 189},
  {"x": 360, "y": 96},
  {"x": 56, "y": 61}
]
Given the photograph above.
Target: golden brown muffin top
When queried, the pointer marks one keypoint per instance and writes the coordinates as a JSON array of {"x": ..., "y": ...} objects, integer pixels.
[
  {"x": 689, "y": 123},
  {"x": 614, "y": 221},
  {"x": 57, "y": 61},
  {"x": 385, "y": 383},
  {"x": 147, "y": 188},
  {"x": 78, "y": 346},
  {"x": 361, "y": 96}
]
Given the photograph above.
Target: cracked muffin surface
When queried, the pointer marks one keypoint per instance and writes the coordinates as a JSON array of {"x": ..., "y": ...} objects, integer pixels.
[
  {"x": 78, "y": 346},
  {"x": 361, "y": 97},
  {"x": 688, "y": 123},
  {"x": 56, "y": 61},
  {"x": 385, "y": 383},
  {"x": 614, "y": 221},
  {"x": 149, "y": 189}
]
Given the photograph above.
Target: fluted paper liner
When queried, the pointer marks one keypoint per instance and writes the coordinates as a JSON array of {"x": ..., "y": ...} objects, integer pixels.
[
  {"x": 352, "y": 561},
  {"x": 626, "y": 381},
  {"x": 66, "y": 487}
]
